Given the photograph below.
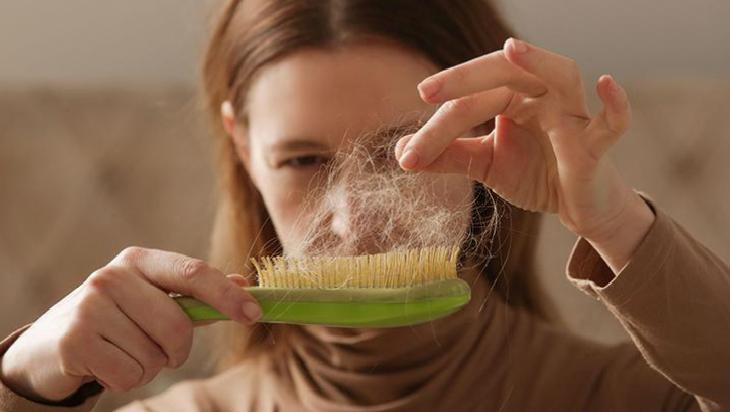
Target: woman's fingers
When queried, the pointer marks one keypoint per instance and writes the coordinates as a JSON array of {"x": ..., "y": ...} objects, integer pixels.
[
  {"x": 175, "y": 272},
  {"x": 125, "y": 334},
  {"x": 482, "y": 73},
  {"x": 469, "y": 156},
  {"x": 479, "y": 89},
  {"x": 613, "y": 120},
  {"x": 150, "y": 308},
  {"x": 239, "y": 280},
  {"x": 112, "y": 367},
  {"x": 560, "y": 74},
  {"x": 451, "y": 120}
]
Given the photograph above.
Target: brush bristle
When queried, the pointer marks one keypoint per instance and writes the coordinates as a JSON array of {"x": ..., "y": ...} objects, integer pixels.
[{"x": 396, "y": 269}]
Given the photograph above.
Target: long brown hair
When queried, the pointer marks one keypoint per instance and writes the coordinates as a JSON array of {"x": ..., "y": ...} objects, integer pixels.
[{"x": 251, "y": 34}]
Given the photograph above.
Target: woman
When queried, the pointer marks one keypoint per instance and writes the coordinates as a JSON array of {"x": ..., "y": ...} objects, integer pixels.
[{"x": 290, "y": 82}]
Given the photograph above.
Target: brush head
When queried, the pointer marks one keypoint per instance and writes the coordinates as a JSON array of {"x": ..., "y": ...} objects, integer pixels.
[
  {"x": 398, "y": 288},
  {"x": 394, "y": 269}
]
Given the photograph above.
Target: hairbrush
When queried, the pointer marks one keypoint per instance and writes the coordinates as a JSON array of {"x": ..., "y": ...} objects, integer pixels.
[{"x": 396, "y": 288}]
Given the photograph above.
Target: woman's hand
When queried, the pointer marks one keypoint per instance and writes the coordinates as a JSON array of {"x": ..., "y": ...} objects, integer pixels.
[
  {"x": 546, "y": 152},
  {"x": 120, "y": 326}
]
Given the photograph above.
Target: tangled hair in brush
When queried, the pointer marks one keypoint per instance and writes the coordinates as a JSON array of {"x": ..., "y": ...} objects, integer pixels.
[{"x": 368, "y": 204}]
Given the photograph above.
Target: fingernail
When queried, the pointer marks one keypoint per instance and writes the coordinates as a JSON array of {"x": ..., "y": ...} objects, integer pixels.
[
  {"x": 239, "y": 280},
  {"x": 612, "y": 86},
  {"x": 409, "y": 160},
  {"x": 401, "y": 145},
  {"x": 429, "y": 88},
  {"x": 252, "y": 311},
  {"x": 518, "y": 45}
]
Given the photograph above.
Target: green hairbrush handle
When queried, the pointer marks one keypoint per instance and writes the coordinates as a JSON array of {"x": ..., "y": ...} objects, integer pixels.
[{"x": 348, "y": 307}]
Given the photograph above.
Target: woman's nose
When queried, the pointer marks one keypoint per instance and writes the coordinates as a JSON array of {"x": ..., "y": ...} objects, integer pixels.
[{"x": 342, "y": 216}]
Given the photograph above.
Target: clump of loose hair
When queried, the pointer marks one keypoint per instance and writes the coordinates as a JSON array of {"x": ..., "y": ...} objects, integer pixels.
[{"x": 368, "y": 204}]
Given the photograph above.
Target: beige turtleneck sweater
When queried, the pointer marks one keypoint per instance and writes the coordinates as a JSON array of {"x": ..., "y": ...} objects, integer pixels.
[{"x": 673, "y": 297}]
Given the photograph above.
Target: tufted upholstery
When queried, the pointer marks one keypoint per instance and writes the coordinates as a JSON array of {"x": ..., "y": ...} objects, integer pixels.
[{"x": 85, "y": 173}]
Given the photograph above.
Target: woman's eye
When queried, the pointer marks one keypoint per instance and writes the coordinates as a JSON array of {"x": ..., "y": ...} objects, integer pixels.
[{"x": 304, "y": 161}]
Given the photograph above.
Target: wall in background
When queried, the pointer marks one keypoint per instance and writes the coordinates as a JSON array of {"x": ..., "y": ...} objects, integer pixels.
[
  {"x": 87, "y": 42},
  {"x": 141, "y": 42},
  {"x": 632, "y": 39}
]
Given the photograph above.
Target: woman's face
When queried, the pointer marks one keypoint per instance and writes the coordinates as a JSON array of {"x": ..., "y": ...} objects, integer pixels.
[{"x": 305, "y": 106}]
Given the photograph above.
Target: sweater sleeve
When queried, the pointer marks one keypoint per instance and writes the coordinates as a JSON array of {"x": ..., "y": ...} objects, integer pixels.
[
  {"x": 673, "y": 298},
  {"x": 82, "y": 401}
]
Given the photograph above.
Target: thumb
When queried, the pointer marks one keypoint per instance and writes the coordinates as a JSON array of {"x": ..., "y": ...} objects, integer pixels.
[{"x": 240, "y": 281}]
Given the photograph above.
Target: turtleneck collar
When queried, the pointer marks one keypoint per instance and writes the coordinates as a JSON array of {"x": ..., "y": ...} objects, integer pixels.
[{"x": 402, "y": 368}]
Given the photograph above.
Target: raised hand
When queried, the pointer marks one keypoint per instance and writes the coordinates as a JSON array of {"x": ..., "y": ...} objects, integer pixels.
[{"x": 546, "y": 152}]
